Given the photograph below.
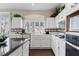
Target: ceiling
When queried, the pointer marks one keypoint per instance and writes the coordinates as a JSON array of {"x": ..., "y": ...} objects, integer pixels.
[{"x": 30, "y": 8}]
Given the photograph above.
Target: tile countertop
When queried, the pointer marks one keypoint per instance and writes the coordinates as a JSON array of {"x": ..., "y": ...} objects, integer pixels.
[
  {"x": 13, "y": 49},
  {"x": 60, "y": 35},
  {"x": 19, "y": 35}
]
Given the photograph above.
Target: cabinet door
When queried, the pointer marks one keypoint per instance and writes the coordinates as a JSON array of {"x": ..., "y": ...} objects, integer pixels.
[
  {"x": 50, "y": 23},
  {"x": 26, "y": 49},
  {"x": 17, "y": 52},
  {"x": 55, "y": 45},
  {"x": 58, "y": 46},
  {"x": 52, "y": 43},
  {"x": 45, "y": 41},
  {"x": 35, "y": 41},
  {"x": 62, "y": 48},
  {"x": 17, "y": 21},
  {"x": 0, "y": 51}
]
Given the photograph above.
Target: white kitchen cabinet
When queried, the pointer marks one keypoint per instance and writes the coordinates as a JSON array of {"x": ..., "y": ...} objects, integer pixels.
[
  {"x": 8, "y": 43},
  {"x": 60, "y": 17},
  {"x": 45, "y": 41},
  {"x": 17, "y": 52},
  {"x": 50, "y": 22},
  {"x": 17, "y": 22},
  {"x": 62, "y": 47},
  {"x": 33, "y": 23},
  {"x": 58, "y": 46},
  {"x": 22, "y": 50},
  {"x": 35, "y": 41},
  {"x": 55, "y": 45},
  {"x": 0, "y": 51},
  {"x": 71, "y": 8},
  {"x": 26, "y": 49},
  {"x": 40, "y": 41},
  {"x": 4, "y": 22}
]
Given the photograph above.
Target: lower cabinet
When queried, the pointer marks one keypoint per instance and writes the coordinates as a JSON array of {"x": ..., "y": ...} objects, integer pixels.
[
  {"x": 17, "y": 52},
  {"x": 45, "y": 41},
  {"x": 26, "y": 49},
  {"x": 55, "y": 44},
  {"x": 62, "y": 48},
  {"x": 22, "y": 50},
  {"x": 35, "y": 41},
  {"x": 58, "y": 46},
  {"x": 40, "y": 41}
]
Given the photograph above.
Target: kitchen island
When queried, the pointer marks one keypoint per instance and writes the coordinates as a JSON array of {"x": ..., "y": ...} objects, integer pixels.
[{"x": 19, "y": 48}]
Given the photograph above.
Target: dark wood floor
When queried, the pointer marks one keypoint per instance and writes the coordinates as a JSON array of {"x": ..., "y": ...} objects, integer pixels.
[{"x": 41, "y": 52}]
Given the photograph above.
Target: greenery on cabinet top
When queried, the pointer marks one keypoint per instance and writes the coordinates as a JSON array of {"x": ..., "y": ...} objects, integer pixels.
[
  {"x": 18, "y": 15},
  {"x": 58, "y": 10}
]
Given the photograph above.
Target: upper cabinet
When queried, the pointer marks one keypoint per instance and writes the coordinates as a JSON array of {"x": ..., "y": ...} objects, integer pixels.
[
  {"x": 61, "y": 17},
  {"x": 17, "y": 22},
  {"x": 50, "y": 22},
  {"x": 34, "y": 24},
  {"x": 4, "y": 22},
  {"x": 60, "y": 20},
  {"x": 71, "y": 7}
]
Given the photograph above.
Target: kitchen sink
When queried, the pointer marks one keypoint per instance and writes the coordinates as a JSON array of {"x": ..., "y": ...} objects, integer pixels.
[{"x": 60, "y": 36}]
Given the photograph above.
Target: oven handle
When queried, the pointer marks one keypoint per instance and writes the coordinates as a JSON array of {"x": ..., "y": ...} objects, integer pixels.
[{"x": 74, "y": 46}]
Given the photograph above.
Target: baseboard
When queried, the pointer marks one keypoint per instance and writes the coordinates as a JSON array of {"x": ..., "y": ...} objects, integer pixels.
[{"x": 40, "y": 48}]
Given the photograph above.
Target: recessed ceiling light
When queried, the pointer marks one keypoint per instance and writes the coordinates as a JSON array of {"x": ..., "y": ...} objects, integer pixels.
[{"x": 33, "y": 4}]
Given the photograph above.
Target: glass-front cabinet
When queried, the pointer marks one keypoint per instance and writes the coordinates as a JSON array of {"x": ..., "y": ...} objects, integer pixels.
[
  {"x": 4, "y": 23},
  {"x": 35, "y": 24}
]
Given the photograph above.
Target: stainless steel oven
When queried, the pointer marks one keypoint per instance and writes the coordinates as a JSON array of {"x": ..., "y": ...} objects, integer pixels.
[{"x": 72, "y": 45}]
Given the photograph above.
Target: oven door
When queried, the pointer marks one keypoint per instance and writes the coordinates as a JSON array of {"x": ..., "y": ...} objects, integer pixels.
[{"x": 71, "y": 51}]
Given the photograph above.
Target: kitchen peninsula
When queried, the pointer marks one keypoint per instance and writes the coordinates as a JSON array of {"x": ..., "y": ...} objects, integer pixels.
[{"x": 16, "y": 47}]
